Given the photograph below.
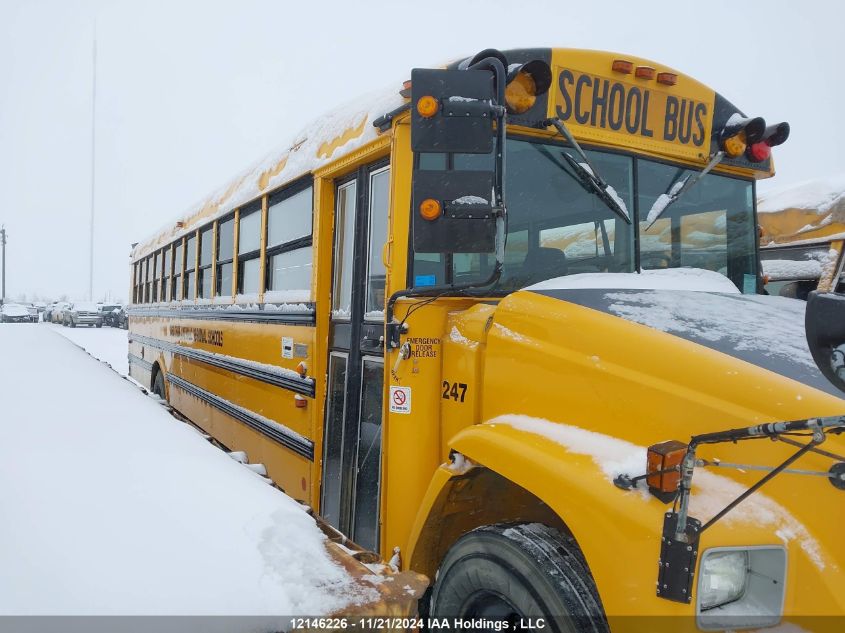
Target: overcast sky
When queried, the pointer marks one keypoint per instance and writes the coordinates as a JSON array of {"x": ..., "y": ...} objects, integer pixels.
[{"x": 191, "y": 92}]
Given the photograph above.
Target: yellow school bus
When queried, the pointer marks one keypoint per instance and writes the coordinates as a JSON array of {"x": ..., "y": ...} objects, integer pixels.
[
  {"x": 503, "y": 325},
  {"x": 802, "y": 238}
]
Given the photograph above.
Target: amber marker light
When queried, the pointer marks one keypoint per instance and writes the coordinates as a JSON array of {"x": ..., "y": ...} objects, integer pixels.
[
  {"x": 735, "y": 145},
  {"x": 427, "y": 106},
  {"x": 668, "y": 79},
  {"x": 663, "y": 466},
  {"x": 430, "y": 209},
  {"x": 622, "y": 66},
  {"x": 644, "y": 72}
]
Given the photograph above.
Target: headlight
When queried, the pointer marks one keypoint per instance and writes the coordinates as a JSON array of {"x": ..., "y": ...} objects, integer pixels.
[
  {"x": 741, "y": 587},
  {"x": 723, "y": 577}
]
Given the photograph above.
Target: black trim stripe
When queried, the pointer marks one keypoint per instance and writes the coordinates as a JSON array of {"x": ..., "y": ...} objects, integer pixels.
[
  {"x": 304, "y": 386},
  {"x": 252, "y": 316},
  {"x": 275, "y": 431},
  {"x": 137, "y": 360}
]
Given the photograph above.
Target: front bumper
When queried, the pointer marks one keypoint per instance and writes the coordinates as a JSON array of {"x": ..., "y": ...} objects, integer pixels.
[{"x": 87, "y": 320}]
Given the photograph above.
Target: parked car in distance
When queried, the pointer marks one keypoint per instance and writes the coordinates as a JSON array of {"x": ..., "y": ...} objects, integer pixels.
[
  {"x": 57, "y": 313},
  {"x": 83, "y": 313},
  {"x": 33, "y": 313},
  {"x": 14, "y": 313},
  {"x": 110, "y": 313}
]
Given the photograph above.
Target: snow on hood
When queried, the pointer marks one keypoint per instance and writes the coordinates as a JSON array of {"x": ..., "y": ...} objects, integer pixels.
[
  {"x": 763, "y": 330},
  {"x": 710, "y": 492},
  {"x": 693, "y": 279},
  {"x": 14, "y": 310}
]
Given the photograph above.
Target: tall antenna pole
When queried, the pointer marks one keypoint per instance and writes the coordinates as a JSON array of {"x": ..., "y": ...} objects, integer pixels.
[
  {"x": 93, "y": 164},
  {"x": 3, "y": 247}
]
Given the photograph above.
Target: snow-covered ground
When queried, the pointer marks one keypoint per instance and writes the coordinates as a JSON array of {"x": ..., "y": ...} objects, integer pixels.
[
  {"x": 107, "y": 344},
  {"x": 110, "y": 506}
]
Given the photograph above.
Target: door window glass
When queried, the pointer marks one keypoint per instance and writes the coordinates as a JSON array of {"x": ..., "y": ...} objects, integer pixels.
[
  {"x": 366, "y": 522},
  {"x": 344, "y": 249},
  {"x": 379, "y": 187},
  {"x": 333, "y": 440}
]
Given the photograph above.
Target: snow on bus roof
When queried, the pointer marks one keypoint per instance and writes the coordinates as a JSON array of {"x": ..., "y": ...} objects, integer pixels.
[
  {"x": 822, "y": 195},
  {"x": 347, "y": 127}
]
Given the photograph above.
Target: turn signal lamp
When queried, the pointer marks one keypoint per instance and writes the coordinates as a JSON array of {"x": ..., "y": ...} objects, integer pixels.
[
  {"x": 430, "y": 209},
  {"x": 427, "y": 106},
  {"x": 525, "y": 84},
  {"x": 663, "y": 466}
]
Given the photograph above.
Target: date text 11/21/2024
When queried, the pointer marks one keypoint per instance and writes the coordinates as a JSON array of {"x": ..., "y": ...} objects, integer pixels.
[{"x": 388, "y": 623}]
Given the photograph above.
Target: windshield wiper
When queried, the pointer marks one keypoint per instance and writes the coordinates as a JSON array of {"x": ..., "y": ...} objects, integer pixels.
[
  {"x": 588, "y": 175},
  {"x": 677, "y": 189}
]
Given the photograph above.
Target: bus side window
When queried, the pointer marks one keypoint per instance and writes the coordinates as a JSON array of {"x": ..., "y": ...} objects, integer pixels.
[
  {"x": 249, "y": 251},
  {"x": 289, "y": 246},
  {"x": 204, "y": 272},
  {"x": 225, "y": 256},
  {"x": 190, "y": 264}
]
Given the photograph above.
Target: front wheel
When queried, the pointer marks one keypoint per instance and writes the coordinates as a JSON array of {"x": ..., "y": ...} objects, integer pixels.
[{"x": 515, "y": 572}]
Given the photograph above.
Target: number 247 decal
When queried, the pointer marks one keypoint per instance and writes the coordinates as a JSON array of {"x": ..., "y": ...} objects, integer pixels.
[{"x": 456, "y": 390}]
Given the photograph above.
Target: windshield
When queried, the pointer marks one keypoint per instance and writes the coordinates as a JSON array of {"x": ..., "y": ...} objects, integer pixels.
[{"x": 558, "y": 227}]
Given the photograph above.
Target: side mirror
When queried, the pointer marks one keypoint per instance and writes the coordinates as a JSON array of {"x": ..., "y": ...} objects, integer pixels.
[
  {"x": 825, "y": 325},
  {"x": 453, "y": 112}
]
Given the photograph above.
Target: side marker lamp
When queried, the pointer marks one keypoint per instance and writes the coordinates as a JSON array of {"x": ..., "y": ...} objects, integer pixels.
[
  {"x": 427, "y": 106},
  {"x": 430, "y": 209},
  {"x": 663, "y": 463}
]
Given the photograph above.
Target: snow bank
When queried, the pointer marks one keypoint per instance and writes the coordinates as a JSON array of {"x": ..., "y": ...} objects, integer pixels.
[
  {"x": 111, "y": 507},
  {"x": 107, "y": 344},
  {"x": 695, "y": 279},
  {"x": 710, "y": 492}
]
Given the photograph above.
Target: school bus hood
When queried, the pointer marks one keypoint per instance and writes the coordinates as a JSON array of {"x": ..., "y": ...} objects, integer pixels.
[
  {"x": 608, "y": 372},
  {"x": 762, "y": 330}
]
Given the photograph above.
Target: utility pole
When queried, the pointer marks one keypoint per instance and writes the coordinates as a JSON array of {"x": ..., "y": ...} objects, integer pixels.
[
  {"x": 3, "y": 247},
  {"x": 93, "y": 164}
]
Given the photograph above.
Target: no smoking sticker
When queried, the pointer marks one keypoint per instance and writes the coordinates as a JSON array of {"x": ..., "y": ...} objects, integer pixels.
[{"x": 400, "y": 399}]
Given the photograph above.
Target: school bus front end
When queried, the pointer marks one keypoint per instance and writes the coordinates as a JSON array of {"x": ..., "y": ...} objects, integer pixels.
[{"x": 584, "y": 389}]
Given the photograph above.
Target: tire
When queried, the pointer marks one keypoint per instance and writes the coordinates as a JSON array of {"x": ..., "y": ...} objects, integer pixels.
[
  {"x": 514, "y": 572},
  {"x": 158, "y": 385},
  {"x": 99, "y": 325}
]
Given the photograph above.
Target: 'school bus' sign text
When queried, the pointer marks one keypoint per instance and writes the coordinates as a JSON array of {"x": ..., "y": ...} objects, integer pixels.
[{"x": 637, "y": 114}]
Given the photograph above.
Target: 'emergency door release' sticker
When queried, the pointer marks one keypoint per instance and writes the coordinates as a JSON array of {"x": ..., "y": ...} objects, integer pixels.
[{"x": 400, "y": 399}]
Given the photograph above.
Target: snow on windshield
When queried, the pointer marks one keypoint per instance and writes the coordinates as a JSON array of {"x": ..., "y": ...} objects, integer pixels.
[
  {"x": 773, "y": 326},
  {"x": 696, "y": 279},
  {"x": 111, "y": 507}
]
